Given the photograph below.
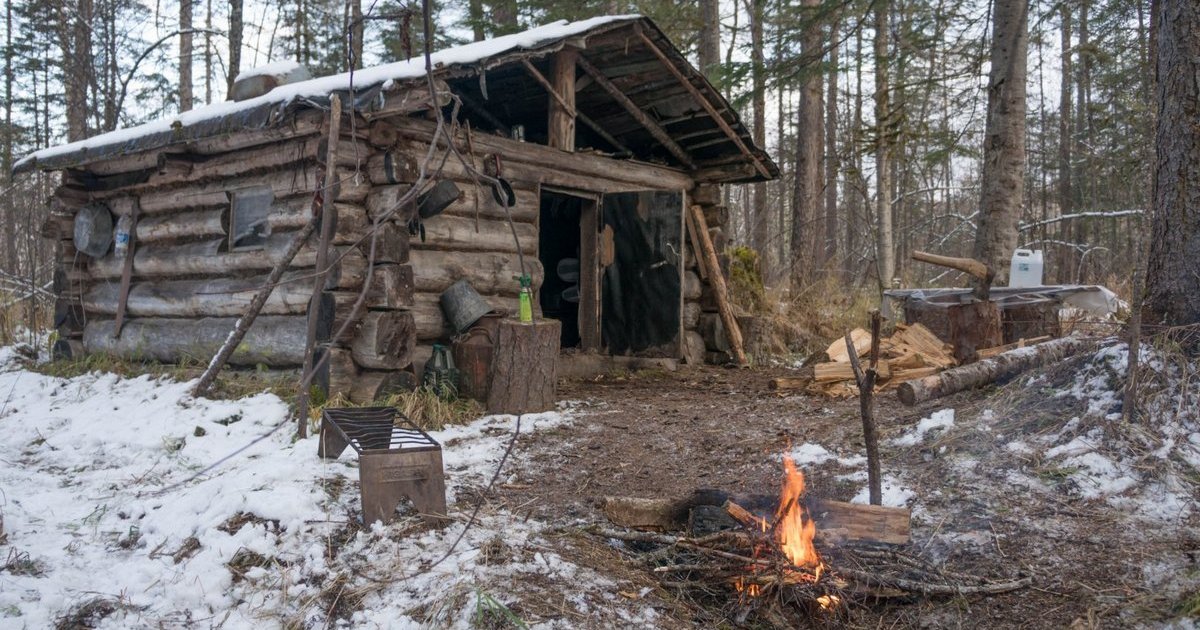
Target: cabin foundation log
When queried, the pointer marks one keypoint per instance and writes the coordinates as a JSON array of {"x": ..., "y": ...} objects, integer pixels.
[
  {"x": 385, "y": 340},
  {"x": 274, "y": 341}
]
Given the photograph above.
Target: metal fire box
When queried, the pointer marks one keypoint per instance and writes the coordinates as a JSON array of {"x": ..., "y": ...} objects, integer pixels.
[{"x": 396, "y": 459}]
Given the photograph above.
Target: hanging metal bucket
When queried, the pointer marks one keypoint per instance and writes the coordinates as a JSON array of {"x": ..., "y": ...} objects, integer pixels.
[
  {"x": 463, "y": 305},
  {"x": 93, "y": 229},
  {"x": 433, "y": 201}
]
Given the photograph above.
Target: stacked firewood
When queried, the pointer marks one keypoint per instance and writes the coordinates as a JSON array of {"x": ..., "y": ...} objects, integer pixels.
[{"x": 912, "y": 352}]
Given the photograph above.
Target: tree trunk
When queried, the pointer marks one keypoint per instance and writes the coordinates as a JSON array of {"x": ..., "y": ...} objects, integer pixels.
[
  {"x": 710, "y": 36},
  {"x": 832, "y": 163},
  {"x": 1003, "y": 179},
  {"x": 75, "y": 43},
  {"x": 356, "y": 34},
  {"x": 760, "y": 220},
  {"x": 475, "y": 14},
  {"x": 1173, "y": 272},
  {"x": 806, "y": 205},
  {"x": 185, "y": 55},
  {"x": 235, "y": 43},
  {"x": 885, "y": 251},
  {"x": 1065, "y": 198},
  {"x": 208, "y": 53}
]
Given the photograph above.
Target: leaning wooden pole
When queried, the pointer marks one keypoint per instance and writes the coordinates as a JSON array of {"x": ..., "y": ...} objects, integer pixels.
[
  {"x": 708, "y": 257},
  {"x": 256, "y": 304},
  {"x": 328, "y": 218},
  {"x": 981, "y": 373}
]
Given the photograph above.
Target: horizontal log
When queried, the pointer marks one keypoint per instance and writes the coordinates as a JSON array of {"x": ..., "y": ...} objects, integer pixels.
[
  {"x": 451, "y": 233},
  {"x": 301, "y": 180},
  {"x": 273, "y": 340},
  {"x": 488, "y": 272},
  {"x": 526, "y": 210},
  {"x": 430, "y": 321},
  {"x": 206, "y": 258},
  {"x": 980, "y": 373},
  {"x": 217, "y": 297},
  {"x": 385, "y": 340},
  {"x": 529, "y": 162},
  {"x": 392, "y": 167},
  {"x": 691, "y": 286}
]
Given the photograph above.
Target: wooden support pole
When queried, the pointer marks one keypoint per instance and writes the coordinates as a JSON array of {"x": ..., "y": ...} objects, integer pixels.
[
  {"x": 328, "y": 218},
  {"x": 126, "y": 273},
  {"x": 708, "y": 106},
  {"x": 568, "y": 103},
  {"x": 866, "y": 404},
  {"x": 654, "y": 128},
  {"x": 709, "y": 257}
]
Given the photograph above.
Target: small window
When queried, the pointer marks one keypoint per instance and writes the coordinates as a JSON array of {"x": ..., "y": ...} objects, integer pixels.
[{"x": 248, "y": 209}]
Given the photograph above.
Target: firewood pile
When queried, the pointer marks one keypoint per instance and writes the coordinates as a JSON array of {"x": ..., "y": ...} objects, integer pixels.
[{"x": 912, "y": 352}]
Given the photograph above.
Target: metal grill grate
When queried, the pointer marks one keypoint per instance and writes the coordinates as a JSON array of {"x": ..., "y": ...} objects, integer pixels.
[{"x": 374, "y": 429}]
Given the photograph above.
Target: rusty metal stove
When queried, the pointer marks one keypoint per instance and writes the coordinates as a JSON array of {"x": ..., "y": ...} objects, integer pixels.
[{"x": 395, "y": 460}]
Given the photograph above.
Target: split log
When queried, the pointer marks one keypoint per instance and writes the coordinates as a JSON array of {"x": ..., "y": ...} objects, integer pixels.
[
  {"x": 382, "y": 135},
  {"x": 784, "y": 383},
  {"x": 385, "y": 340},
  {"x": 837, "y": 351},
  {"x": 274, "y": 341},
  {"x": 524, "y": 371},
  {"x": 371, "y": 385},
  {"x": 451, "y": 233},
  {"x": 981, "y": 373},
  {"x": 832, "y": 372},
  {"x": 489, "y": 273}
]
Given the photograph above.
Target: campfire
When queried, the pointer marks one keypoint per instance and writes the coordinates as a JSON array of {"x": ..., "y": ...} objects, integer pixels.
[{"x": 779, "y": 559}]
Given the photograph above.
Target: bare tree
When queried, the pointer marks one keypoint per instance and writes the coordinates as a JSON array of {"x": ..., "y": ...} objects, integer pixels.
[
  {"x": 235, "y": 43},
  {"x": 185, "y": 55},
  {"x": 832, "y": 163},
  {"x": 806, "y": 204},
  {"x": 885, "y": 246},
  {"x": 1173, "y": 272},
  {"x": 710, "y": 36},
  {"x": 1065, "y": 195},
  {"x": 1003, "y": 180}
]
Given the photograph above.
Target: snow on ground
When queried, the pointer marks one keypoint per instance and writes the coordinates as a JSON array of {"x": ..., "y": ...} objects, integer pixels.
[
  {"x": 939, "y": 421},
  {"x": 97, "y": 508}
]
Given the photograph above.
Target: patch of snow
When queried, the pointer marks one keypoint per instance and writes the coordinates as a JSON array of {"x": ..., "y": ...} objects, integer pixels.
[
  {"x": 94, "y": 472},
  {"x": 273, "y": 69},
  {"x": 939, "y": 421},
  {"x": 894, "y": 494}
]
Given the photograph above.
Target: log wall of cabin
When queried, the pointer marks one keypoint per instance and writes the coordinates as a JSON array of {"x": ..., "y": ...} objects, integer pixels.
[
  {"x": 187, "y": 289},
  {"x": 472, "y": 239}
]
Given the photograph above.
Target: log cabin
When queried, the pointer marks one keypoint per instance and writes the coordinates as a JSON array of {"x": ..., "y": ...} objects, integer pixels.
[{"x": 574, "y": 150}]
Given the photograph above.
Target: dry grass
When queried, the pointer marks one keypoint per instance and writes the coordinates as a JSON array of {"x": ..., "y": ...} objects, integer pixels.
[
  {"x": 427, "y": 409},
  {"x": 230, "y": 384}
]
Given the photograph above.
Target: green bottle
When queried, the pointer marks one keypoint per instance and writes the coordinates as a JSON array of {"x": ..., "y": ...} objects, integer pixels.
[{"x": 526, "y": 298}]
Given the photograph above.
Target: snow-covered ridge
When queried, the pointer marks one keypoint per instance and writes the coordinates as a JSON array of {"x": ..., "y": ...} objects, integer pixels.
[{"x": 323, "y": 86}]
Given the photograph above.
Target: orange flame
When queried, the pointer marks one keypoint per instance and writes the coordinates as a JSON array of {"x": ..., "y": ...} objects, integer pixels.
[{"x": 796, "y": 529}]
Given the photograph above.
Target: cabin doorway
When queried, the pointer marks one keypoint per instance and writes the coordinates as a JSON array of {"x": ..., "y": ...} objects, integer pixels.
[{"x": 566, "y": 247}]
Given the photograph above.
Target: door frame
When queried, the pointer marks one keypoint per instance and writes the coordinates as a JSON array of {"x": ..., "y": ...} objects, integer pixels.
[{"x": 590, "y": 267}]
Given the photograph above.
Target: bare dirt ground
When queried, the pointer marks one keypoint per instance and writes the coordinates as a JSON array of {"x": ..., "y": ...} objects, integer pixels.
[{"x": 977, "y": 506}]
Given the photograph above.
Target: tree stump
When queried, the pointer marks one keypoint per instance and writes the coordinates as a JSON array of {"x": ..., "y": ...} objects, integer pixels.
[
  {"x": 974, "y": 326},
  {"x": 525, "y": 367}
]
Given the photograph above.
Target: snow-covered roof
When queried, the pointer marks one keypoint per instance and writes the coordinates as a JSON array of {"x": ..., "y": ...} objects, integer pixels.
[{"x": 262, "y": 111}]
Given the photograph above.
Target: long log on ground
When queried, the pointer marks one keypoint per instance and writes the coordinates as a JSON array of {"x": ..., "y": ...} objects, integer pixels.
[
  {"x": 981, "y": 373},
  {"x": 490, "y": 273},
  {"x": 385, "y": 340},
  {"x": 274, "y": 341},
  {"x": 451, "y": 233},
  {"x": 836, "y": 520}
]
